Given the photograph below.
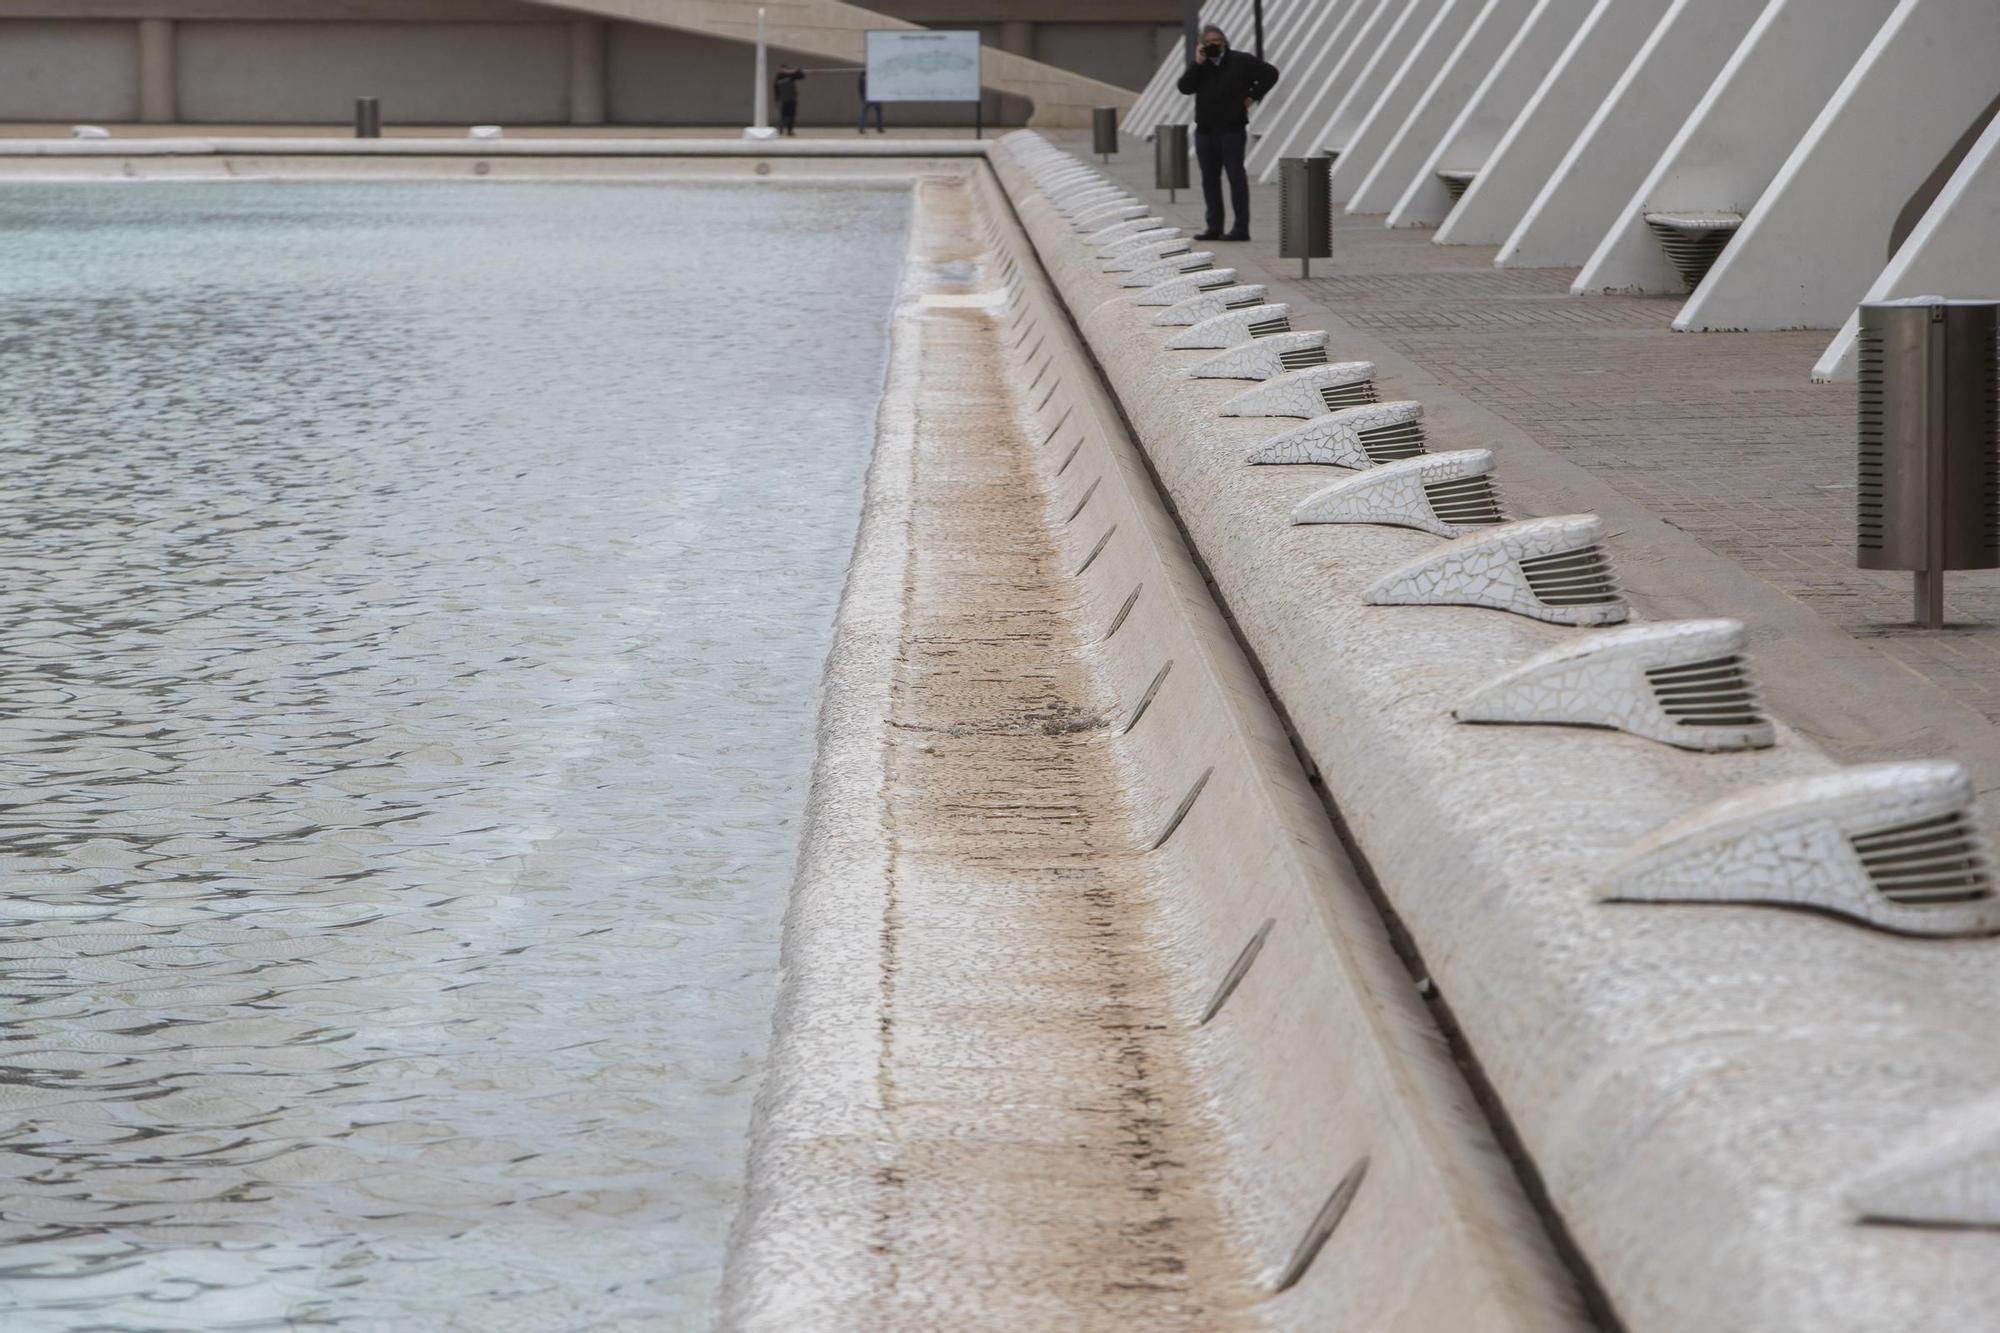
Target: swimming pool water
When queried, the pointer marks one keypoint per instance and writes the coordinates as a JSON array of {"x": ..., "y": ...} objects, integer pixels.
[{"x": 412, "y": 603}]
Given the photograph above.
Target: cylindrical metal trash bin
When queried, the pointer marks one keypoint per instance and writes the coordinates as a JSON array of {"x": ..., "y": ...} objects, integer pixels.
[
  {"x": 1104, "y": 131},
  {"x": 367, "y": 117},
  {"x": 1928, "y": 437},
  {"x": 1170, "y": 158},
  {"x": 1305, "y": 210}
]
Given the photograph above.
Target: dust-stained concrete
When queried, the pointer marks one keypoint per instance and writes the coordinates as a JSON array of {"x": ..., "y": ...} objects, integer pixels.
[{"x": 1021, "y": 1151}]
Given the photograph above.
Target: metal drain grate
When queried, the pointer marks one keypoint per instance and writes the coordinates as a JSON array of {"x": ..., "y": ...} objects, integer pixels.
[
  {"x": 1693, "y": 242},
  {"x": 1714, "y": 693},
  {"x": 1870, "y": 434},
  {"x": 1337, "y": 396},
  {"x": 1467, "y": 503},
  {"x": 1254, "y": 298},
  {"x": 1386, "y": 444},
  {"x": 1264, "y": 328},
  {"x": 1582, "y": 577},
  {"x": 1938, "y": 860},
  {"x": 1301, "y": 357},
  {"x": 1456, "y": 182}
]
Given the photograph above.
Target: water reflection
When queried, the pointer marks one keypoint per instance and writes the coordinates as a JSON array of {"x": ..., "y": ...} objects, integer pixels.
[{"x": 411, "y": 605}]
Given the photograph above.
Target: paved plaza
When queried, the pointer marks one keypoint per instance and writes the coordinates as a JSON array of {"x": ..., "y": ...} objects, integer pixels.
[{"x": 1722, "y": 435}]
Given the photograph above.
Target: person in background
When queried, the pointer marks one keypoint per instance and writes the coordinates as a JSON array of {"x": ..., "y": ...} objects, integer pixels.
[
  {"x": 786, "y": 89},
  {"x": 861, "y": 126},
  {"x": 1224, "y": 84}
]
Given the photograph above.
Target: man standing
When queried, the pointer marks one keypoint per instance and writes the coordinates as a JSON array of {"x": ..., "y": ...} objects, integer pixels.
[
  {"x": 786, "y": 86},
  {"x": 1224, "y": 84},
  {"x": 861, "y": 126}
]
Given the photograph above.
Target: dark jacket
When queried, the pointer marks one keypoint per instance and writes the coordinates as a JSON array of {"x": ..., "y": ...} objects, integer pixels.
[
  {"x": 1219, "y": 89},
  {"x": 786, "y": 85}
]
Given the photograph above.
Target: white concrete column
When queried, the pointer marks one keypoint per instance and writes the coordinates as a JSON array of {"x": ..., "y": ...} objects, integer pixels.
[
  {"x": 1493, "y": 106},
  {"x": 1287, "y": 29},
  {"x": 1952, "y": 252},
  {"x": 1399, "y": 98},
  {"x": 1807, "y": 252},
  {"x": 1626, "y": 135},
  {"x": 1173, "y": 106},
  {"x": 1747, "y": 124},
  {"x": 1533, "y": 146},
  {"x": 587, "y": 96},
  {"x": 1342, "y": 51},
  {"x": 1405, "y": 22},
  {"x": 1470, "y": 61},
  {"x": 159, "y": 100}
]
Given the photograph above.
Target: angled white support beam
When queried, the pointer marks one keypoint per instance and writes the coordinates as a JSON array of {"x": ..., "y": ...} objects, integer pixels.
[
  {"x": 1492, "y": 108},
  {"x": 1533, "y": 146},
  {"x": 1954, "y": 251},
  {"x": 1162, "y": 103},
  {"x": 1433, "y": 47},
  {"x": 1471, "y": 59},
  {"x": 1626, "y": 135},
  {"x": 1294, "y": 37},
  {"x": 1345, "y": 49},
  {"x": 1404, "y": 21},
  {"x": 1747, "y": 124},
  {"x": 1807, "y": 252}
]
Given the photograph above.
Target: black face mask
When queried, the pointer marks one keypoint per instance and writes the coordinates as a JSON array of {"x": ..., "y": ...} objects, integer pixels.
[{"x": 1213, "y": 51}]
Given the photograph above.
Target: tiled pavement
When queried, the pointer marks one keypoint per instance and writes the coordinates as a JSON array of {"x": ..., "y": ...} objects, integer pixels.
[{"x": 1722, "y": 435}]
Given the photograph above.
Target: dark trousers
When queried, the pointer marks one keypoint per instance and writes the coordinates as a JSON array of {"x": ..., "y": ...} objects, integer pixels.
[
  {"x": 788, "y": 117},
  {"x": 862, "y": 124},
  {"x": 1219, "y": 151}
]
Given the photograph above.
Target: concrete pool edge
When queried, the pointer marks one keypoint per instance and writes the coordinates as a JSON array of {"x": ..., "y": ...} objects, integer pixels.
[
  {"x": 1684, "y": 1079},
  {"x": 1318, "y": 1064}
]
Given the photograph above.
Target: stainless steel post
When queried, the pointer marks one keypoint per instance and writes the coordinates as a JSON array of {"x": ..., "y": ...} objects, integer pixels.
[
  {"x": 1170, "y": 159},
  {"x": 1104, "y": 131},
  {"x": 1305, "y": 210},
  {"x": 1928, "y": 443}
]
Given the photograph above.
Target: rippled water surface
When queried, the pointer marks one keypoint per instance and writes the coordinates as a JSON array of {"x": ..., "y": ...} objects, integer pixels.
[{"x": 412, "y": 600}]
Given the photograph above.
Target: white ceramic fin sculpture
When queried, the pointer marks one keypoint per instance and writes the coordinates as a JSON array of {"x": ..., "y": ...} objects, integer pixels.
[
  {"x": 1206, "y": 305},
  {"x": 1685, "y": 682},
  {"x": 1135, "y": 243},
  {"x": 1266, "y": 358},
  {"x": 1144, "y": 256},
  {"x": 1447, "y": 495},
  {"x": 1234, "y": 327},
  {"x": 1356, "y": 437},
  {"x": 1126, "y": 209},
  {"x": 1191, "y": 262},
  {"x": 1946, "y": 1175},
  {"x": 1307, "y": 393},
  {"x": 1118, "y": 231},
  {"x": 1549, "y": 569},
  {"x": 1173, "y": 288},
  {"x": 1894, "y": 845}
]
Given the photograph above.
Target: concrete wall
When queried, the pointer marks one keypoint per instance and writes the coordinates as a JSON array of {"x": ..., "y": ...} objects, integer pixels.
[
  {"x": 52, "y": 70},
  {"x": 307, "y": 73},
  {"x": 1627, "y": 134},
  {"x": 1808, "y": 250},
  {"x": 1740, "y": 133},
  {"x": 462, "y": 62}
]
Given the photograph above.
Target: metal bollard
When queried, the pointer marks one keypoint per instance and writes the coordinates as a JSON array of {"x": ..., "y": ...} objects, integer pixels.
[
  {"x": 1305, "y": 210},
  {"x": 367, "y": 117},
  {"x": 1928, "y": 436},
  {"x": 1170, "y": 159},
  {"x": 1104, "y": 131}
]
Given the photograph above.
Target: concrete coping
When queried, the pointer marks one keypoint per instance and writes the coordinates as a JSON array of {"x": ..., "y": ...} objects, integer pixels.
[{"x": 551, "y": 147}]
